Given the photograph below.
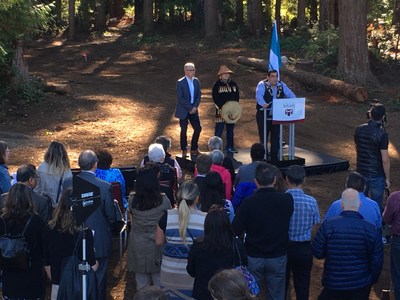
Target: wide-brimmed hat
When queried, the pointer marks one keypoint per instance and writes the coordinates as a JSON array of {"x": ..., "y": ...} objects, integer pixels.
[
  {"x": 224, "y": 70},
  {"x": 231, "y": 112}
]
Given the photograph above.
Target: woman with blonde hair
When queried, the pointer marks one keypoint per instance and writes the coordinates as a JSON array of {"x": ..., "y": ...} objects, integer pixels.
[
  {"x": 54, "y": 173},
  {"x": 177, "y": 229},
  {"x": 61, "y": 239}
]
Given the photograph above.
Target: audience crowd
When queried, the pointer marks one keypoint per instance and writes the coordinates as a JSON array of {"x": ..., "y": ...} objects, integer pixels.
[{"x": 186, "y": 233}]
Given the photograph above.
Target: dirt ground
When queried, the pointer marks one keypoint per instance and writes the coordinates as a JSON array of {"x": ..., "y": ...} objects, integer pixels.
[{"x": 123, "y": 96}]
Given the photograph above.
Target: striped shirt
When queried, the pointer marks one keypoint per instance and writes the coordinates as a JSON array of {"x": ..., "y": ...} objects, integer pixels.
[{"x": 305, "y": 216}]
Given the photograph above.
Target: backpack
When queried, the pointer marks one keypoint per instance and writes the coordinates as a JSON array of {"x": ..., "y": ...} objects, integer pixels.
[{"x": 14, "y": 250}]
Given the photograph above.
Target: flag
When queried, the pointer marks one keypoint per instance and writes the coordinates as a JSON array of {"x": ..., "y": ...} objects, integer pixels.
[{"x": 275, "y": 60}]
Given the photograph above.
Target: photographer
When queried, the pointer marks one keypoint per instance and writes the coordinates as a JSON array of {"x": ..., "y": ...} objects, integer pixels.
[{"x": 373, "y": 162}]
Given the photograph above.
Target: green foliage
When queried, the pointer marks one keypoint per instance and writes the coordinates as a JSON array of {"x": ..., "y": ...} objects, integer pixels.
[{"x": 31, "y": 92}]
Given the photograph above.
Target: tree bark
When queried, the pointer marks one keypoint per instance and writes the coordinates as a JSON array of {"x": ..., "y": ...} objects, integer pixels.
[
  {"x": 101, "y": 16},
  {"x": 301, "y": 13},
  {"x": 396, "y": 12},
  {"x": 71, "y": 20},
  {"x": 353, "y": 92},
  {"x": 138, "y": 12},
  {"x": 20, "y": 65},
  {"x": 211, "y": 18},
  {"x": 239, "y": 17},
  {"x": 278, "y": 14},
  {"x": 353, "y": 63},
  {"x": 58, "y": 6},
  {"x": 328, "y": 14},
  {"x": 314, "y": 11},
  {"x": 148, "y": 22},
  {"x": 254, "y": 12}
]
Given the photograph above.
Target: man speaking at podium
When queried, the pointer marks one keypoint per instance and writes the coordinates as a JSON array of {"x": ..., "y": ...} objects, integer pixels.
[{"x": 267, "y": 90}]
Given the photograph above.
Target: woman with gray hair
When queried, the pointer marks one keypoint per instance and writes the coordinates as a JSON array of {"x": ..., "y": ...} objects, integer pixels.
[
  {"x": 215, "y": 143},
  {"x": 217, "y": 158},
  {"x": 167, "y": 178},
  {"x": 177, "y": 229}
]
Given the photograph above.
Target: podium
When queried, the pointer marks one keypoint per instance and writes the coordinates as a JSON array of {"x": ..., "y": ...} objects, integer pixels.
[{"x": 287, "y": 111}]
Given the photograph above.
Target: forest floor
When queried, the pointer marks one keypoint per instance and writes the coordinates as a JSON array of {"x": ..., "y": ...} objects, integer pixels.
[{"x": 123, "y": 97}]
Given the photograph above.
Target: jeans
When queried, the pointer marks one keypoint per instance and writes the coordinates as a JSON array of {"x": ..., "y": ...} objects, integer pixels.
[
  {"x": 375, "y": 187},
  {"x": 101, "y": 275},
  {"x": 356, "y": 294},
  {"x": 195, "y": 122},
  {"x": 299, "y": 262},
  {"x": 272, "y": 130},
  {"x": 273, "y": 272},
  {"x": 395, "y": 265},
  {"x": 219, "y": 128}
]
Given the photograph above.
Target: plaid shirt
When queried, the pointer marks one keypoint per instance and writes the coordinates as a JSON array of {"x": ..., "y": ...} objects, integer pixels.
[{"x": 305, "y": 216}]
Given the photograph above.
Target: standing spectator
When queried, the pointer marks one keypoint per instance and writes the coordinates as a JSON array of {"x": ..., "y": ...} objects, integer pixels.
[
  {"x": 189, "y": 96},
  {"x": 203, "y": 165},
  {"x": 229, "y": 284},
  {"x": 213, "y": 252},
  {"x": 244, "y": 181},
  {"x": 54, "y": 173},
  {"x": 217, "y": 157},
  {"x": 177, "y": 229},
  {"x": 62, "y": 239},
  {"x": 353, "y": 252},
  {"x": 223, "y": 91},
  {"x": 305, "y": 216},
  {"x": 105, "y": 172},
  {"x": 216, "y": 143},
  {"x": 5, "y": 179},
  {"x": 147, "y": 205},
  {"x": 372, "y": 144},
  {"x": 213, "y": 193},
  {"x": 101, "y": 220},
  {"x": 265, "y": 218},
  {"x": 369, "y": 208},
  {"x": 391, "y": 216},
  {"x": 166, "y": 143},
  {"x": 18, "y": 213},
  {"x": 268, "y": 90}
]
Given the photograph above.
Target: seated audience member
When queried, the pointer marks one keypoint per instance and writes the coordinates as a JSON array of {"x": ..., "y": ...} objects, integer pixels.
[
  {"x": 214, "y": 251},
  {"x": 369, "y": 208},
  {"x": 203, "y": 165},
  {"x": 150, "y": 293},
  {"x": 18, "y": 212},
  {"x": 167, "y": 176},
  {"x": 105, "y": 172},
  {"x": 229, "y": 284},
  {"x": 147, "y": 205},
  {"x": 215, "y": 143},
  {"x": 5, "y": 179},
  {"x": 55, "y": 174},
  {"x": 353, "y": 252},
  {"x": 61, "y": 237},
  {"x": 244, "y": 181},
  {"x": 217, "y": 157},
  {"x": 391, "y": 216},
  {"x": 213, "y": 194},
  {"x": 166, "y": 143}
]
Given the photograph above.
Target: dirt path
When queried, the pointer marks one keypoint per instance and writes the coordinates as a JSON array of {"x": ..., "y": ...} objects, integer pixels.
[{"x": 124, "y": 96}]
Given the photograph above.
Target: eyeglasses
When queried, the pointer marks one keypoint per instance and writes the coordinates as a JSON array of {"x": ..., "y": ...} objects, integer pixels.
[{"x": 191, "y": 70}]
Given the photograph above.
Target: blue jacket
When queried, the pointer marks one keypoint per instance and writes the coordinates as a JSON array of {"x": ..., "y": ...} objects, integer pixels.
[
  {"x": 353, "y": 251},
  {"x": 183, "y": 105},
  {"x": 5, "y": 179}
]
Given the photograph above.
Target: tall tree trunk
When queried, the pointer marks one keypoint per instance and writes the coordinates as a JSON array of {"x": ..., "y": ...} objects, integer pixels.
[
  {"x": 71, "y": 20},
  {"x": 198, "y": 15},
  {"x": 20, "y": 65},
  {"x": 148, "y": 21},
  {"x": 211, "y": 18},
  {"x": 239, "y": 13},
  {"x": 85, "y": 22},
  {"x": 58, "y": 7},
  {"x": 328, "y": 14},
  {"x": 139, "y": 12},
  {"x": 278, "y": 14},
  {"x": 254, "y": 12},
  {"x": 314, "y": 11},
  {"x": 301, "y": 13},
  {"x": 353, "y": 63},
  {"x": 396, "y": 12},
  {"x": 101, "y": 16}
]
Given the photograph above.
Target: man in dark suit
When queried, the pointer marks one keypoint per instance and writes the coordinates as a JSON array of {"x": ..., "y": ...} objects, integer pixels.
[
  {"x": 102, "y": 218},
  {"x": 27, "y": 175},
  {"x": 189, "y": 94}
]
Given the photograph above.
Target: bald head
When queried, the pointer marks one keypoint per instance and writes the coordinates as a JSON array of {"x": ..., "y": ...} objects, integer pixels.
[
  {"x": 87, "y": 160},
  {"x": 350, "y": 200}
]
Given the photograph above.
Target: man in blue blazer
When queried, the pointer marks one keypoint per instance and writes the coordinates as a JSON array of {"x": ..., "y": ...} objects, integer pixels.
[
  {"x": 189, "y": 94},
  {"x": 102, "y": 218}
]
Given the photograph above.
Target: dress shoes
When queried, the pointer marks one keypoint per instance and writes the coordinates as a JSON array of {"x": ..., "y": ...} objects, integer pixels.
[
  {"x": 184, "y": 154},
  {"x": 195, "y": 152}
]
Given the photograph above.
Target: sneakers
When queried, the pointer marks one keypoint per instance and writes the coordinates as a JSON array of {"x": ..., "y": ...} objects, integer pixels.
[{"x": 231, "y": 150}]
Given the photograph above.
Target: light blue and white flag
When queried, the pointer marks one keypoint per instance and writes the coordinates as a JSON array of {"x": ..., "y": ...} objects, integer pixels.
[{"x": 275, "y": 61}]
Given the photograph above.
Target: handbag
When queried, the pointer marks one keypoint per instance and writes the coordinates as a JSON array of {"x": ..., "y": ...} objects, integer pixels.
[{"x": 248, "y": 277}]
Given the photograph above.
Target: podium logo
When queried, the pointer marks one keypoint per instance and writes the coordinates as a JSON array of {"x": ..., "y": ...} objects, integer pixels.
[{"x": 288, "y": 112}]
